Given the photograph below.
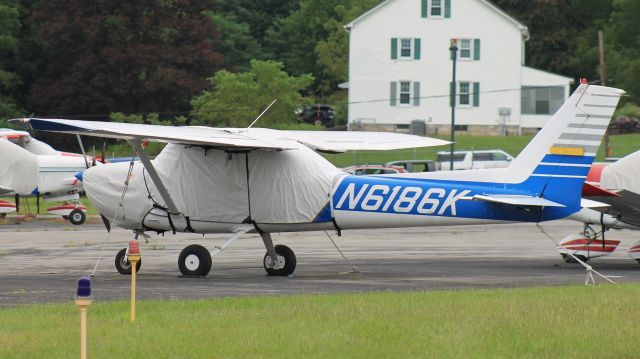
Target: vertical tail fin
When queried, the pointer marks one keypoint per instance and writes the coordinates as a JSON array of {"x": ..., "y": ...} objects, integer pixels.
[{"x": 558, "y": 158}]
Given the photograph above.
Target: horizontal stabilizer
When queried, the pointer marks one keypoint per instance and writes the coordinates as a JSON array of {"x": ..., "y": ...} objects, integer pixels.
[
  {"x": 515, "y": 200},
  {"x": 589, "y": 203}
]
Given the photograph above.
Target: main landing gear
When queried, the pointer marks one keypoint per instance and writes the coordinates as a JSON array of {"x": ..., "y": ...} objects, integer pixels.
[
  {"x": 279, "y": 260},
  {"x": 195, "y": 260}
]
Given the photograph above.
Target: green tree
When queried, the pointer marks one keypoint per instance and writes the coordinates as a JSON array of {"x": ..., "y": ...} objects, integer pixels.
[
  {"x": 10, "y": 81},
  {"x": 239, "y": 98},
  {"x": 237, "y": 44},
  {"x": 307, "y": 39},
  {"x": 242, "y": 25},
  {"x": 622, "y": 36},
  {"x": 332, "y": 52},
  {"x": 557, "y": 29},
  {"x": 135, "y": 56}
]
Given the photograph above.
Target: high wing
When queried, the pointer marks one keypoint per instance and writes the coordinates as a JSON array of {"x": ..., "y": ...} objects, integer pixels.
[
  {"x": 236, "y": 138},
  {"x": 341, "y": 141}
]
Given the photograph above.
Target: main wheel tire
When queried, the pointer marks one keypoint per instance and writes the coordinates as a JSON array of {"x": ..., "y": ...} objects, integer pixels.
[
  {"x": 77, "y": 217},
  {"x": 194, "y": 260},
  {"x": 289, "y": 258},
  {"x": 123, "y": 265},
  {"x": 569, "y": 259}
]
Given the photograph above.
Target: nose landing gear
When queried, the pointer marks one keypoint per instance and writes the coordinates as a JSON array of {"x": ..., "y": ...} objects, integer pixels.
[{"x": 122, "y": 263}]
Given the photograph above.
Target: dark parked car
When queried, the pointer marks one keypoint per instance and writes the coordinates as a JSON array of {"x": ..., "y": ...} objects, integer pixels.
[{"x": 317, "y": 114}]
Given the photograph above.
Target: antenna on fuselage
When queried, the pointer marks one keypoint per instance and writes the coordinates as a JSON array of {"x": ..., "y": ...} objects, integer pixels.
[{"x": 263, "y": 112}]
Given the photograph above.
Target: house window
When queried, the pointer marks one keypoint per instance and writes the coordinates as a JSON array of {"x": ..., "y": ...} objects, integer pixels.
[
  {"x": 464, "y": 89},
  {"x": 541, "y": 100},
  {"x": 436, "y": 8},
  {"x": 405, "y": 92},
  {"x": 405, "y": 48},
  {"x": 465, "y": 49}
]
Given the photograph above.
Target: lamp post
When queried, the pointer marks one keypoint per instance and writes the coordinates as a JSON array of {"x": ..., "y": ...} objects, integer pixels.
[{"x": 454, "y": 53}]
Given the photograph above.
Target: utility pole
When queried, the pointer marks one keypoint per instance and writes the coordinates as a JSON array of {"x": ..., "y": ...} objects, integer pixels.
[
  {"x": 454, "y": 53},
  {"x": 603, "y": 82}
]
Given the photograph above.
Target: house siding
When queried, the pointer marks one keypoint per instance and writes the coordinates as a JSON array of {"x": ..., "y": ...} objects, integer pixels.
[{"x": 498, "y": 70}]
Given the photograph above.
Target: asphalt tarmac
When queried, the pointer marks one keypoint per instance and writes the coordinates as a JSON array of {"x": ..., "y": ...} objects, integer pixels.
[{"x": 41, "y": 261}]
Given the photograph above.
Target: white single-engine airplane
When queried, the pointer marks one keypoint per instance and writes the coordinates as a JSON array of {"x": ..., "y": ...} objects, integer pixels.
[
  {"x": 53, "y": 179},
  {"x": 216, "y": 180}
]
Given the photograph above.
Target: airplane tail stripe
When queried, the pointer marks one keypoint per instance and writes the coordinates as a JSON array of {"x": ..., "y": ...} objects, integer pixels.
[
  {"x": 587, "y": 148},
  {"x": 586, "y": 126},
  {"x": 561, "y": 170},
  {"x": 583, "y": 160},
  {"x": 581, "y": 137},
  {"x": 557, "y": 176},
  {"x": 589, "y": 115}
]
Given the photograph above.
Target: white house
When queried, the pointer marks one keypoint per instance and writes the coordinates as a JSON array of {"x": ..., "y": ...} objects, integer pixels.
[{"x": 400, "y": 70}]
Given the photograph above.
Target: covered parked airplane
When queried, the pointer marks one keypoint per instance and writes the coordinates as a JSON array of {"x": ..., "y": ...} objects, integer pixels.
[
  {"x": 229, "y": 180},
  {"x": 53, "y": 178},
  {"x": 617, "y": 187}
]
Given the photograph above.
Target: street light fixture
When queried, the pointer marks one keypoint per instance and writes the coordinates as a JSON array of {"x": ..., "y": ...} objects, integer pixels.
[{"x": 454, "y": 53}]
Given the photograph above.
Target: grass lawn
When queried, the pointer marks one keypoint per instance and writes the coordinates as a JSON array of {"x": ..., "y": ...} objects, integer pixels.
[{"x": 551, "y": 322}]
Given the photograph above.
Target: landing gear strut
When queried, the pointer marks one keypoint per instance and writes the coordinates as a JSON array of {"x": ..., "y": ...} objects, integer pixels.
[{"x": 279, "y": 260}]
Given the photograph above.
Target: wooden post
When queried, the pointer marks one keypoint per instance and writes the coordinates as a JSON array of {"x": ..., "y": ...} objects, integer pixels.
[{"x": 134, "y": 258}]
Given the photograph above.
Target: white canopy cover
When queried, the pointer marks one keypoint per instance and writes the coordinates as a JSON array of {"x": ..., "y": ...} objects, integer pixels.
[
  {"x": 290, "y": 186},
  {"x": 624, "y": 174},
  {"x": 18, "y": 169}
]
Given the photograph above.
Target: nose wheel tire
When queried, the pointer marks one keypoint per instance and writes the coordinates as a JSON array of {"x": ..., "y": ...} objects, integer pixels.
[
  {"x": 122, "y": 263},
  {"x": 286, "y": 255},
  {"x": 194, "y": 260},
  {"x": 77, "y": 217}
]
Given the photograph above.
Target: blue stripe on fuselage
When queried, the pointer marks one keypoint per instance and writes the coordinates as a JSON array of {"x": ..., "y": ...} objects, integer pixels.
[{"x": 411, "y": 196}]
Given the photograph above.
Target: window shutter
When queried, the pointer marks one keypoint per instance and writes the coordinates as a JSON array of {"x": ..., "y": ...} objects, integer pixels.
[
  {"x": 416, "y": 93},
  {"x": 416, "y": 49},
  {"x": 476, "y": 94},
  {"x": 425, "y": 8},
  {"x": 476, "y": 49},
  {"x": 392, "y": 95},
  {"x": 447, "y": 8},
  {"x": 452, "y": 94},
  {"x": 394, "y": 48}
]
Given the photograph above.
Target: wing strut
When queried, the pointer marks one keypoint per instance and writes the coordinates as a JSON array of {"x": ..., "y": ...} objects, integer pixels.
[{"x": 157, "y": 181}]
